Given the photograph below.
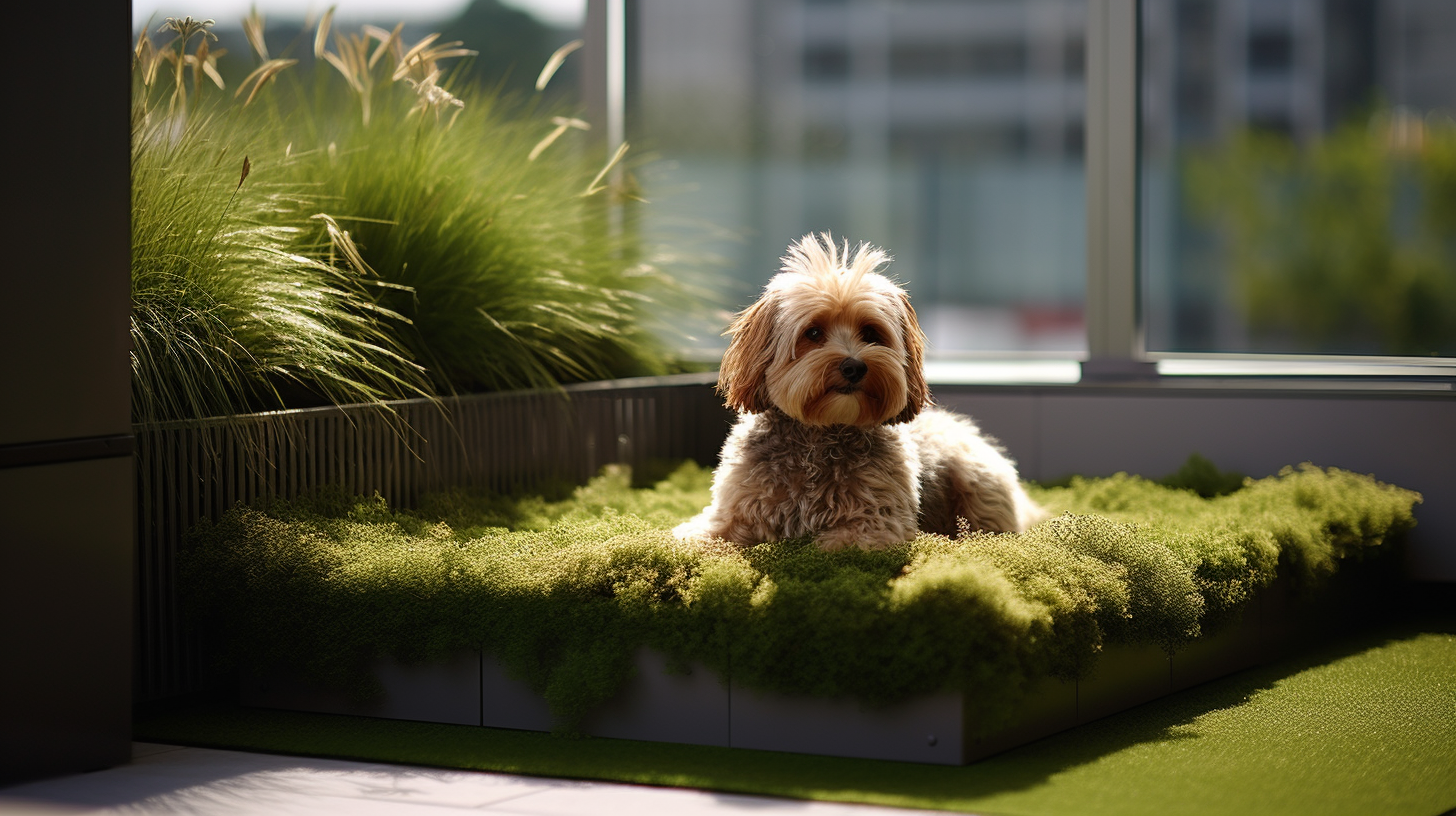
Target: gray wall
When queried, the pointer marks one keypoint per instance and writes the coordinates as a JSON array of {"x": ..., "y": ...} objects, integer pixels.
[
  {"x": 66, "y": 499},
  {"x": 1407, "y": 439},
  {"x": 66, "y": 596}
]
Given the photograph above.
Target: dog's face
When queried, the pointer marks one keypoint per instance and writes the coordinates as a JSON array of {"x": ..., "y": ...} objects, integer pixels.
[{"x": 830, "y": 342}]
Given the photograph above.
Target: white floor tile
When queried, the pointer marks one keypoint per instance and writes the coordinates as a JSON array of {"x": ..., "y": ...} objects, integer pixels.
[
  {"x": 164, "y": 779},
  {"x": 629, "y": 800}
]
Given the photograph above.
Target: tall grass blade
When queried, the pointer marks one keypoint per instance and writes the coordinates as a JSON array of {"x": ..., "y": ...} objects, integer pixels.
[{"x": 553, "y": 64}]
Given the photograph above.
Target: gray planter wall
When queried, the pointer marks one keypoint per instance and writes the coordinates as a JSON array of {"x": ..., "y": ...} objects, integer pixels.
[
  {"x": 701, "y": 708},
  {"x": 1401, "y": 435}
]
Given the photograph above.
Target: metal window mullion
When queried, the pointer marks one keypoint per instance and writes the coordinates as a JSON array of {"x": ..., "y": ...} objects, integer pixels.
[
  {"x": 604, "y": 84},
  {"x": 616, "y": 71},
  {"x": 1114, "y": 331}
]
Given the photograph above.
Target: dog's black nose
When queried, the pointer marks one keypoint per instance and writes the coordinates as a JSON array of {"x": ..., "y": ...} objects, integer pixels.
[{"x": 853, "y": 370}]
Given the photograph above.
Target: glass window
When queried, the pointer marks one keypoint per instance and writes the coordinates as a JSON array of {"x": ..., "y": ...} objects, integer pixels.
[
  {"x": 948, "y": 132},
  {"x": 1299, "y": 176}
]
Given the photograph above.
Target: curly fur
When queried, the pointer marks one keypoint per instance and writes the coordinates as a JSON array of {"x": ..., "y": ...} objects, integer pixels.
[{"x": 836, "y": 437}]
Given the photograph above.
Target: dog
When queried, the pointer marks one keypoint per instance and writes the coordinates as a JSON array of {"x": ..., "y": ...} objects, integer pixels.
[{"x": 837, "y": 438}]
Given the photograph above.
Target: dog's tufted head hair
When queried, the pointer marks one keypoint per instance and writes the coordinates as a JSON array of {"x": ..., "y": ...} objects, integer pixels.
[{"x": 830, "y": 342}]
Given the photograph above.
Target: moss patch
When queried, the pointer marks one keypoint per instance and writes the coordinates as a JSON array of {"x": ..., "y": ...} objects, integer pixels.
[{"x": 564, "y": 591}]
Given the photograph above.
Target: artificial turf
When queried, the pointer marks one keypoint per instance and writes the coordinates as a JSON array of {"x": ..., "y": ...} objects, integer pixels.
[{"x": 1363, "y": 725}]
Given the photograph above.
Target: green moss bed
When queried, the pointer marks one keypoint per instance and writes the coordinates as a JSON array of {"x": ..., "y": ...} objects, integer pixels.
[{"x": 564, "y": 591}]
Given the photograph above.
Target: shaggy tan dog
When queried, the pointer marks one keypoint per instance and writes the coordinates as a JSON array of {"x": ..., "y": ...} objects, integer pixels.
[{"x": 836, "y": 437}]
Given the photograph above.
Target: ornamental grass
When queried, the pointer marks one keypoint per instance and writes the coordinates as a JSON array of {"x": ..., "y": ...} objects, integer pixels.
[{"x": 364, "y": 228}]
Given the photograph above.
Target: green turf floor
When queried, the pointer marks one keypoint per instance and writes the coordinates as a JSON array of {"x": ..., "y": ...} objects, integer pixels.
[{"x": 1364, "y": 726}]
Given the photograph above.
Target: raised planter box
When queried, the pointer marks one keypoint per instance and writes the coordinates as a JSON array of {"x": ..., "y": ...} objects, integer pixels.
[
  {"x": 191, "y": 471},
  {"x": 196, "y": 470},
  {"x": 702, "y": 709}
]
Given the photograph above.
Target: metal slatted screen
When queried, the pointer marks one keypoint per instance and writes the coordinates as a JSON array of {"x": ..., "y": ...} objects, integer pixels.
[{"x": 189, "y": 471}]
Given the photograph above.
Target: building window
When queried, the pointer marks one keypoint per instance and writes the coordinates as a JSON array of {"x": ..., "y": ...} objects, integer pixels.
[
  {"x": 826, "y": 62},
  {"x": 1271, "y": 52}
]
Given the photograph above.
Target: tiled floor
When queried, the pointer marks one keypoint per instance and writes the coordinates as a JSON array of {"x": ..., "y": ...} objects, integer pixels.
[{"x": 166, "y": 779}]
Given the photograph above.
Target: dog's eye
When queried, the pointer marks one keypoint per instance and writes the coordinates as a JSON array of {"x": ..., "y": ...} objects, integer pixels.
[
  {"x": 814, "y": 333},
  {"x": 870, "y": 335}
]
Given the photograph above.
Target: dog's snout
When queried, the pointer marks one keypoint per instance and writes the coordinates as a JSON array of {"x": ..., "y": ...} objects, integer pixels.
[{"x": 853, "y": 369}]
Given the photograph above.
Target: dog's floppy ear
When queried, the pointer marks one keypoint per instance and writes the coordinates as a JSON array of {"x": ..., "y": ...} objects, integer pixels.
[
  {"x": 741, "y": 379},
  {"x": 917, "y": 391}
]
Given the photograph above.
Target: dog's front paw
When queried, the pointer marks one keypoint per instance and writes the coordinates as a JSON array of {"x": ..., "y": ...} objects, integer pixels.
[{"x": 690, "y": 530}]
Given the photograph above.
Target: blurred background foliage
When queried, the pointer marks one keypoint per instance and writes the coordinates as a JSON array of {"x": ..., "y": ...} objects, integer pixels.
[{"x": 1348, "y": 243}]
